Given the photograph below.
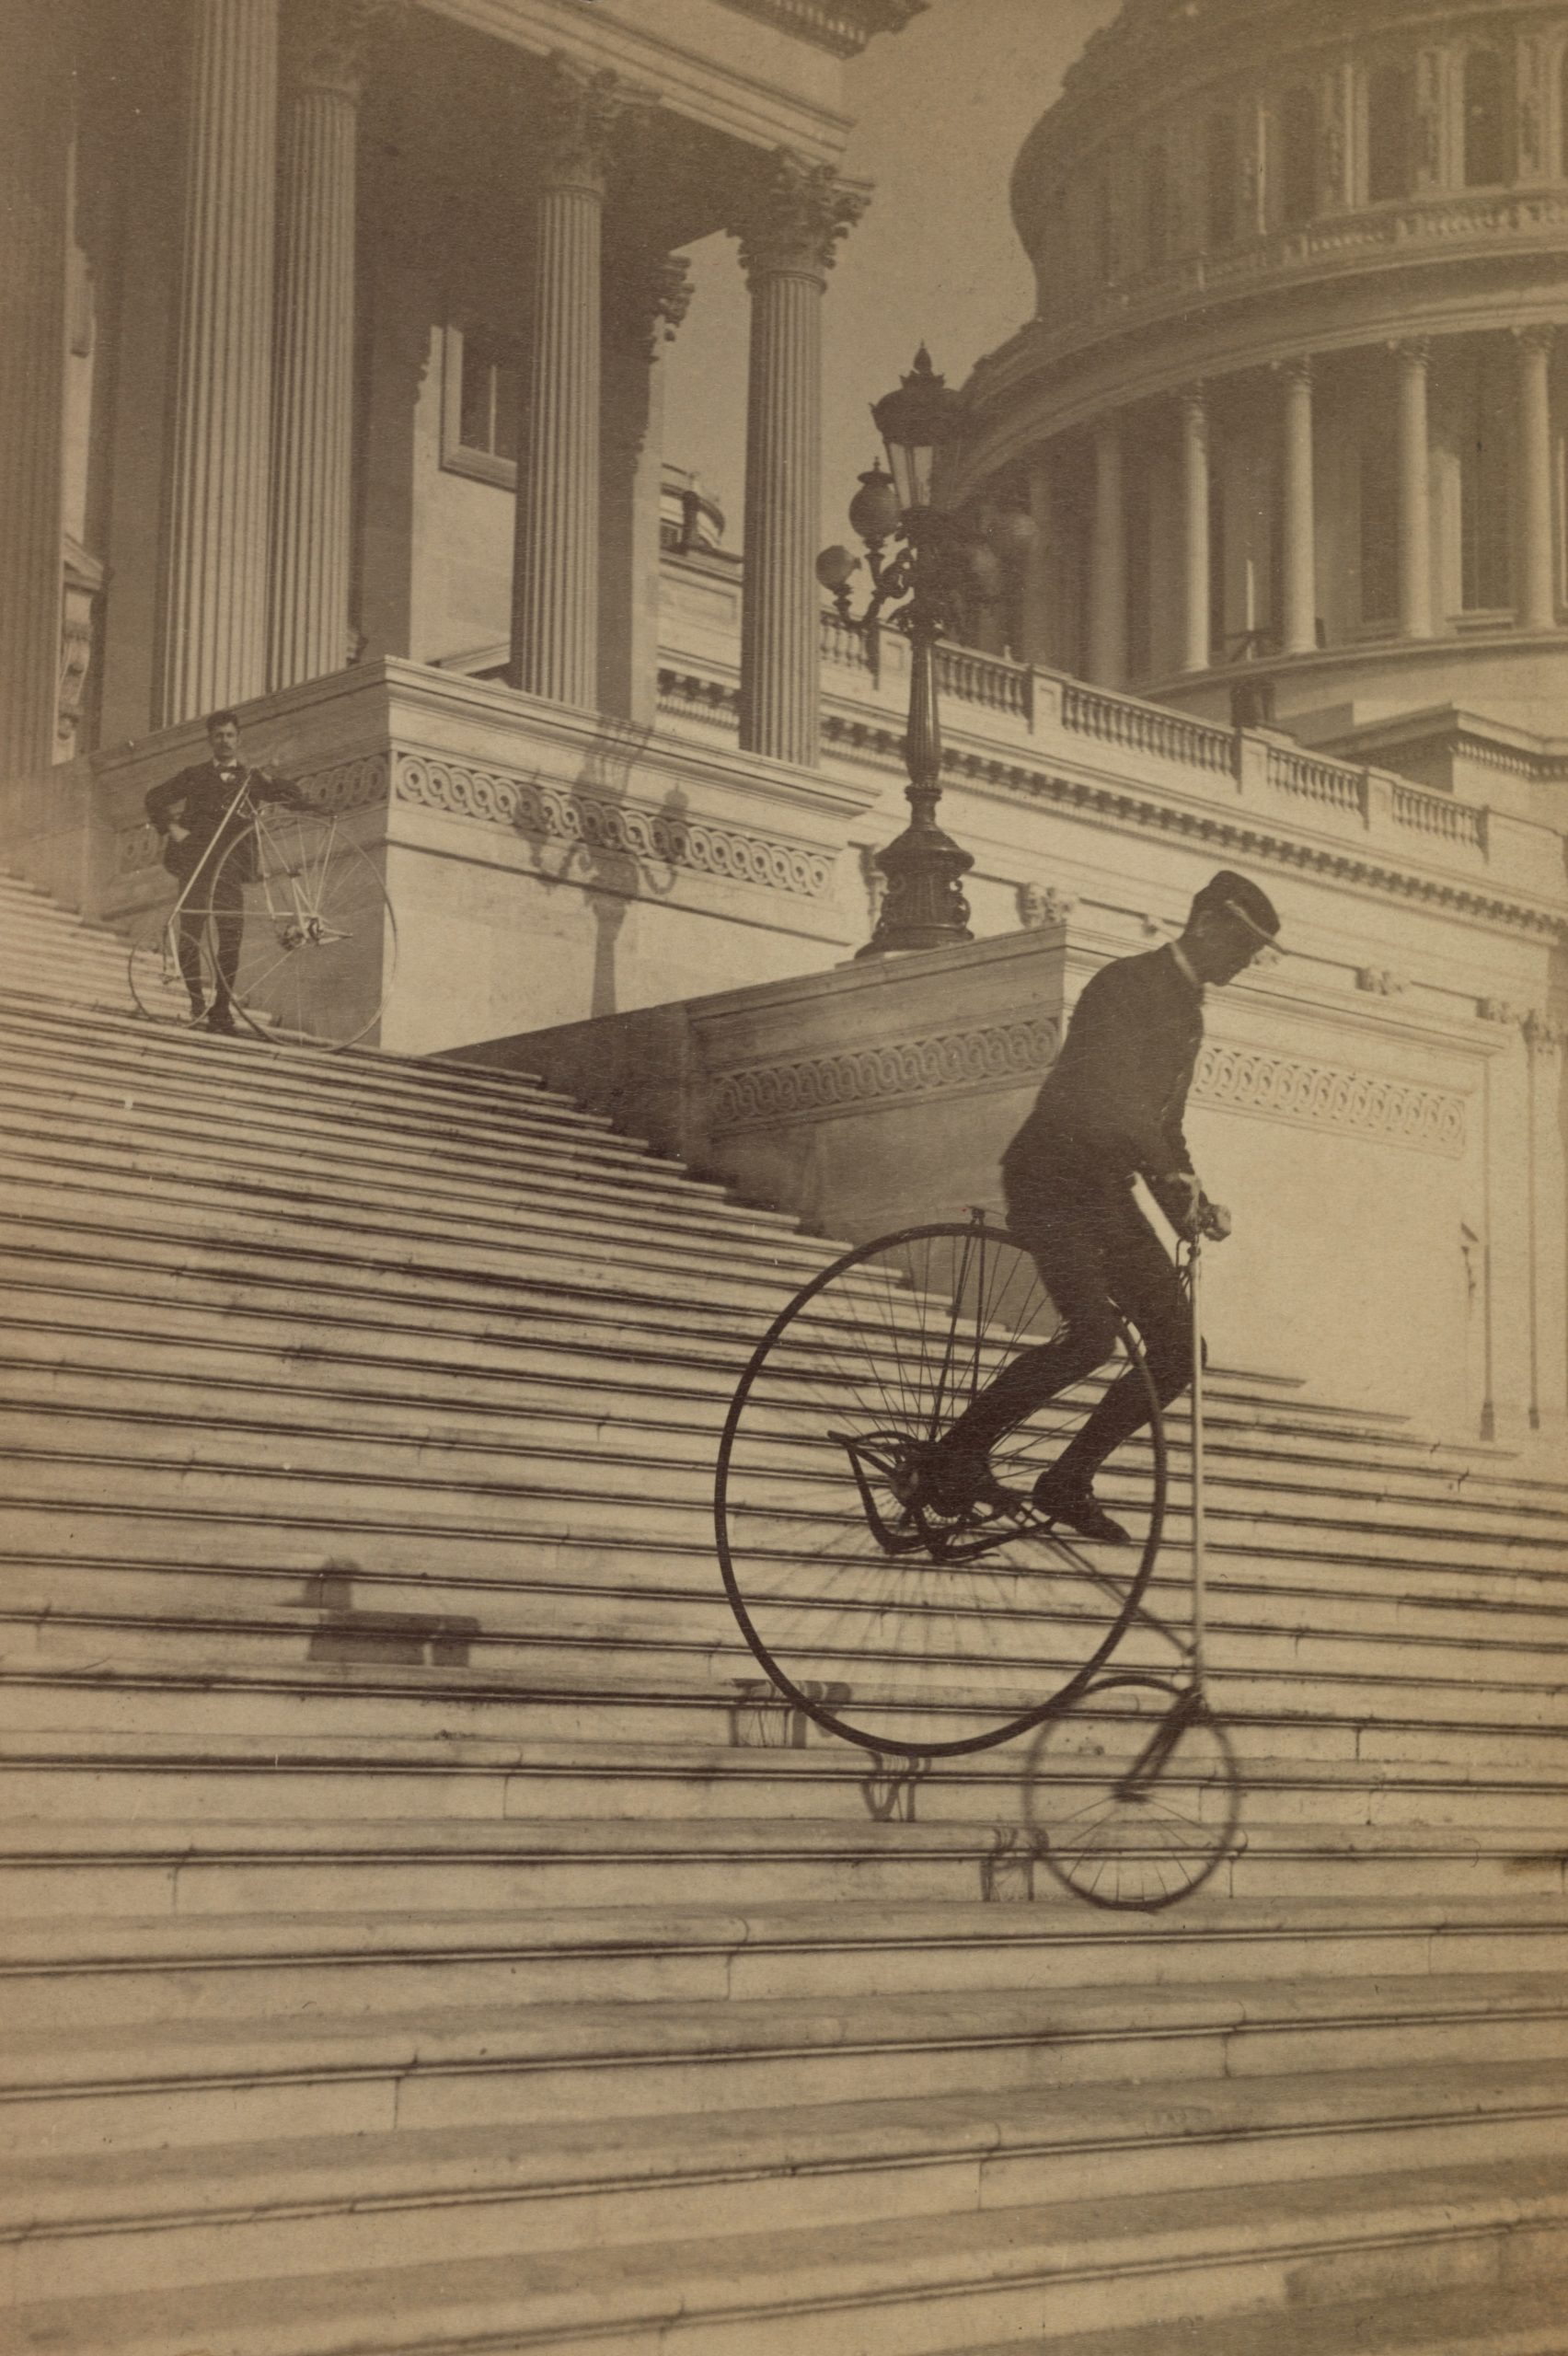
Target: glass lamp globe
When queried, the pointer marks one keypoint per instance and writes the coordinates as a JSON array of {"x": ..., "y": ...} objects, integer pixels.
[
  {"x": 836, "y": 566},
  {"x": 875, "y": 508},
  {"x": 923, "y": 417}
]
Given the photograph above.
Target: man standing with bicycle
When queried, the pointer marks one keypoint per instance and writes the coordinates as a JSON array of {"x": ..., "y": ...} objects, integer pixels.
[
  {"x": 1111, "y": 1111},
  {"x": 200, "y": 816}
]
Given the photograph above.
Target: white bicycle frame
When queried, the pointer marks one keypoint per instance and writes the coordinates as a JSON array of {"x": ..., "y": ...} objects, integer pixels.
[{"x": 1195, "y": 1294}]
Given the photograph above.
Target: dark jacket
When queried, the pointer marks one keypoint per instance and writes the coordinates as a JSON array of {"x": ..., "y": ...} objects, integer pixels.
[
  {"x": 1111, "y": 1106},
  {"x": 197, "y": 799}
]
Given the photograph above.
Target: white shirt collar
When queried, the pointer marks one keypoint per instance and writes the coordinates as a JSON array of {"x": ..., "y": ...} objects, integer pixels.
[{"x": 1183, "y": 967}]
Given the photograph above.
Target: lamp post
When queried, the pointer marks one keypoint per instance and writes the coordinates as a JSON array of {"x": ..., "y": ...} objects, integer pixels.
[{"x": 939, "y": 565}]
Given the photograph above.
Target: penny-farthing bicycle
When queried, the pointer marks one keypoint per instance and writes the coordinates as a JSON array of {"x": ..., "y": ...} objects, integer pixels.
[
  {"x": 288, "y": 916},
  {"x": 921, "y": 1634}
]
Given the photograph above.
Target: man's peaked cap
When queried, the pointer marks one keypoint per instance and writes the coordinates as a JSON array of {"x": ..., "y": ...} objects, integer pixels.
[{"x": 1238, "y": 893}]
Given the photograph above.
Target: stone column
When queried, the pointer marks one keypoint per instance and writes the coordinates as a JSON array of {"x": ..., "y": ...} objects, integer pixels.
[
  {"x": 647, "y": 294},
  {"x": 1038, "y": 624},
  {"x": 1196, "y": 565},
  {"x": 313, "y": 413},
  {"x": 1415, "y": 490},
  {"x": 555, "y": 592},
  {"x": 1537, "y": 587},
  {"x": 35, "y": 143},
  {"x": 1299, "y": 554},
  {"x": 214, "y": 594},
  {"x": 1108, "y": 561},
  {"x": 790, "y": 227}
]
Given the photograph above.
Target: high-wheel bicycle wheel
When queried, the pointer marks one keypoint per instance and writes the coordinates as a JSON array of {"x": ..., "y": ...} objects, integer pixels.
[
  {"x": 317, "y": 939},
  {"x": 1133, "y": 1791},
  {"x": 158, "y": 987},
  {"x": 907, "y": 1630}
]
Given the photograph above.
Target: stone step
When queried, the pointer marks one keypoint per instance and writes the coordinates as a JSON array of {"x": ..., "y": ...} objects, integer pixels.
[
  {"x": 238, "y": 1202},
  {"x": 132, "y": 1273},
  {"x": 49, "y": 1777},
  {"x": 173, "y": 1112},
  {"x": 638, "y": 1496},
  {"x": 370, "y": 2193},
  {"x": 238, "y": 1865},
  {"x": 628, "y": 1631},
  {"x": 373, "y": 1697},
  {"x": 253, "y": 1078},
  {"x": 133, "y": 2086},
  {"x": 58, "y": 1968},
  {"x": 223, "y": 1387},
  {"x": 44, "y": 1125},
  {"x": 1318, "y": 1604},
  {"x": 900, "y": 2286},
  {"x": 129, "y": 1333},
  {"x": 1495, "y": 2320}
]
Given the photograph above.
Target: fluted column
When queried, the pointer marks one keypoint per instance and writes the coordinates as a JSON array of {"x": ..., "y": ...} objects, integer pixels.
[
  {"x": 554, "y": 595},
  {"x": 1196, "y": 567},
  {"x": 1108, "y": 561},
  {"x": 1299, "y": 567},
  {"x": 1415, "y": 490},
  {"x": 35, "y": 133},
  {"x": 647, "y": 294},
  {"x": 790, "y": 228},
  {"x": 1537, "y": 588},
  {"x": 313, "y": 413},
  {"x": 214, "y": 593}
]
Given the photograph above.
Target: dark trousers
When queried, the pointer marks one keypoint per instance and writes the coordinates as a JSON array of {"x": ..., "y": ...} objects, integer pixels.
[
  {"x": 1096, "y": 1254},
  {"x": 216, "y": 896}
]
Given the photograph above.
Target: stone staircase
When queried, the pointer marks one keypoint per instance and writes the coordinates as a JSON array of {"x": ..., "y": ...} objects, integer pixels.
[{"x": 418, "y": 1932}]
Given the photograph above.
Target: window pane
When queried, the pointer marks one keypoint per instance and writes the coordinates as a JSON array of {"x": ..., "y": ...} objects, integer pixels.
[
  {"x": 1388, "y": 133},
  {"x": 507, "y": 392},
  {"x": 475, "y": 427},
  {"x": 1220, "y": 180},
  {"x": 1298, "y": 157},
  {"x": 1157, "y": 208},
  {"x": 1484, "y": 118}
]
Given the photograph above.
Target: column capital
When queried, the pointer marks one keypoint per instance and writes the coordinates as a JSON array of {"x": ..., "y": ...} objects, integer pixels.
[
  {"x": 648, "y": 293},
  {"x": 1193, "y": 403},
  {"x": 1541, "y": 338},
  {"x": 1543, "y": 1037},
  {"x": 791, "y": 219},
  {"x": 1297, "y": 369},
  {"x": 1413, "y": 351},
  {"x": 581, "y": 112},
  {"x": 327, "y": 43}
]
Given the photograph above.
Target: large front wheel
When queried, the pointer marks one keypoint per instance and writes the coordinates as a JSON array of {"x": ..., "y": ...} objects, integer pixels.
[
  {"x": 305, "y": 928},
  {"x": 903, "y": 1628}
]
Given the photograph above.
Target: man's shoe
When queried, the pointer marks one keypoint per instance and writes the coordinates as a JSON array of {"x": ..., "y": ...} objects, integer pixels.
[
  {"x": 954, "y": 1480},
  {"x": 220, "y": 1019},
  {"x": 1075, "y": 1504}
]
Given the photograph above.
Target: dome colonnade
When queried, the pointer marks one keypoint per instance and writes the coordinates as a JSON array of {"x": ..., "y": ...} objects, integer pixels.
[{"x": 1295, "y": 395}]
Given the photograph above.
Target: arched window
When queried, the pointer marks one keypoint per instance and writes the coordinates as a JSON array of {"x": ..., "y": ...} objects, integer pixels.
[
  {"x": 1563, "y": 112},
  {"x": 1156, "y": 208},
  {"x": 1297, "y": 156},
  {"x": 1485, "y": 120},
  {"x": 1388, "y": 108},
  {"x": 1105, "y": 230},
  {"x": 1380, "y": 518},
  {"x": 1219, "y": 179}
]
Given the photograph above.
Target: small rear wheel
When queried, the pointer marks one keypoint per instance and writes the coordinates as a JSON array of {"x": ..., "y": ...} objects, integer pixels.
[
  {"x": 1133, "y": 1792},
  {"x": 906, "y": 1629},
  {"x": 158, "y": 987}
]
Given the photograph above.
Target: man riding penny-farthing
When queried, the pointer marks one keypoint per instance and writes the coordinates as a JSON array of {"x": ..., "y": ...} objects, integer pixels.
[{"x": 942, "y": 1480}]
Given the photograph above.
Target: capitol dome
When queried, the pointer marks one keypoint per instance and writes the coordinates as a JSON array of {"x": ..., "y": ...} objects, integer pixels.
[{"x": 1291, "y": 412}]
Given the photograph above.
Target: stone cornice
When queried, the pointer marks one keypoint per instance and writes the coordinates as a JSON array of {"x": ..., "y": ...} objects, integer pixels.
[
  {"x": 842, "y": 26},
  {"x": 1237, "y": 831}
]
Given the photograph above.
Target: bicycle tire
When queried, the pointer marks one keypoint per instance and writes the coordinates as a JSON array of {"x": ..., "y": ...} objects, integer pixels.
[
  {"x": 900, "y": 1651},
  {"x": 157, "y": 987},
  {"x": 1125, "y": 1844}
]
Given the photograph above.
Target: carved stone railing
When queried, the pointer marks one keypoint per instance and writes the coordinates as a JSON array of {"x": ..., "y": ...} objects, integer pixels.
[
  {"x": 1389, "y": 232},
  {"x": 1335, "y": 785},
  {"x": 987, "y": 679},
  {"x": 1145, "y": 728},
  {"x": 1439, "y": 815}
]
